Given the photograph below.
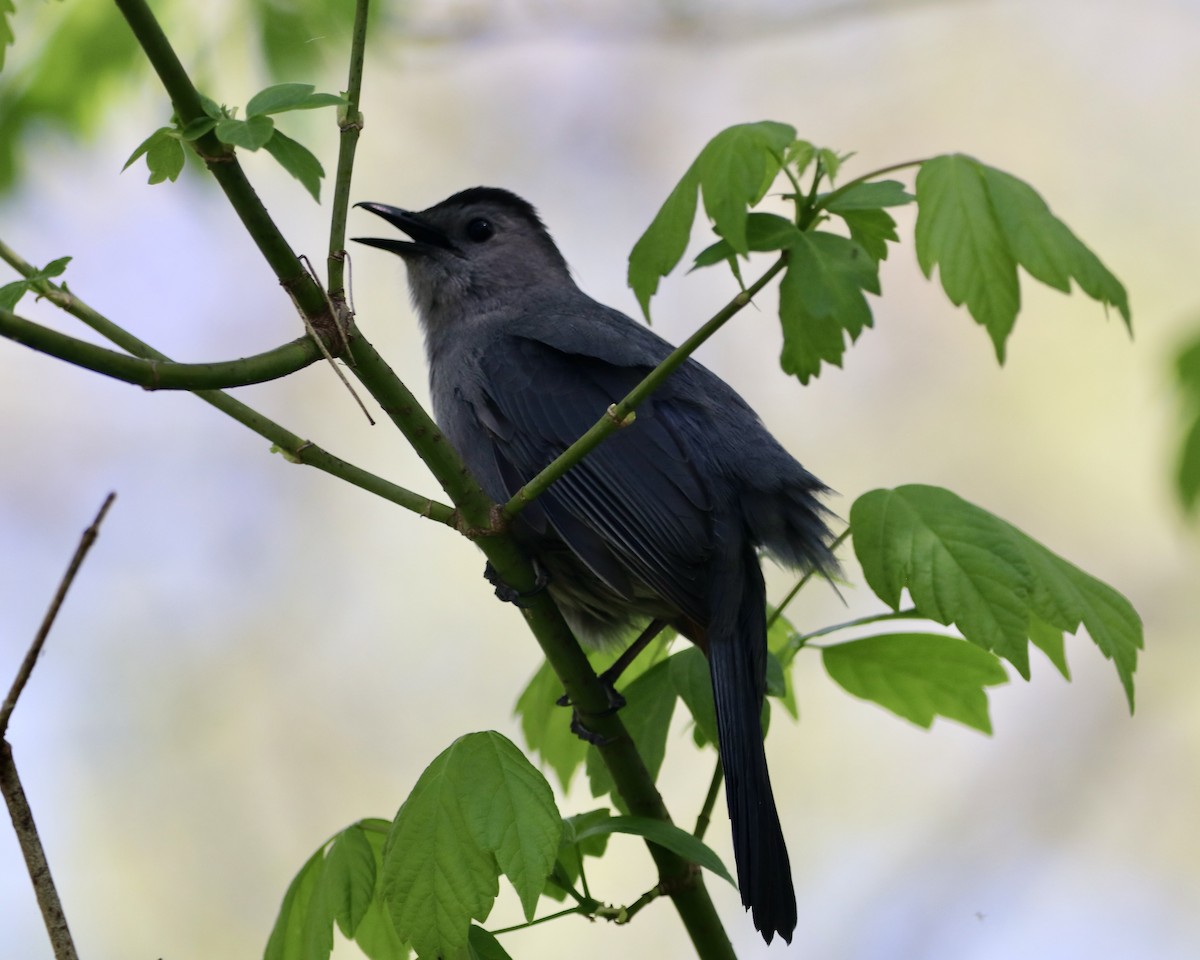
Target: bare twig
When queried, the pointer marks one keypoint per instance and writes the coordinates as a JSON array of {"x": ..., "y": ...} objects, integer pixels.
[
  {"x": 10, "y": 782},
  {"x": 26, "y": 668}
]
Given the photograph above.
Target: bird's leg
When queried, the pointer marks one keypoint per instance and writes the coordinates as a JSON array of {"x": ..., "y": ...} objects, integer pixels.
[
  {"x": 510, "y": 594},
  {"x": 608, "y": 680}
]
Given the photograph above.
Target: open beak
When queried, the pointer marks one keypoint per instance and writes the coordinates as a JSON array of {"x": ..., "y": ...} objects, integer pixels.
[{"x": 424, "y": 235}]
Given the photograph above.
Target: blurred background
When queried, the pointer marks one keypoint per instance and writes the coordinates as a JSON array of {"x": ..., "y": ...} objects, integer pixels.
[{"x": 256, "y": 655}]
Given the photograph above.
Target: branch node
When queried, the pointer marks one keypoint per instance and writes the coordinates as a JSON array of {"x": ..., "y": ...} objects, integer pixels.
[{"x": 615, "y": 417}]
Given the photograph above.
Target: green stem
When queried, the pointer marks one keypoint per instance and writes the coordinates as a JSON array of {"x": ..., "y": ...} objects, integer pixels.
[
  {"x": 618, "y": 414},
  {"x": 533, "y": 923},
  {"x": 910, "y": 614},
  {"x": 710, "y": 801},
  {"x": 351, "y": 123},
  {"x": 159, "y": 375},
  {"x": 221, "y": 160}
]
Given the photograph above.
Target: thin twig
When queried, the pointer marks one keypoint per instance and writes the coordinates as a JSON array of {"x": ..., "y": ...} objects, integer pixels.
[
  {"x": 10, "y": 782},
  {"x": 26, "y": 668}
]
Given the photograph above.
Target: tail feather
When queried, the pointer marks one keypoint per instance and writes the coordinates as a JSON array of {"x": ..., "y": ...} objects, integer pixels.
[{"x": 737, "y": 660}]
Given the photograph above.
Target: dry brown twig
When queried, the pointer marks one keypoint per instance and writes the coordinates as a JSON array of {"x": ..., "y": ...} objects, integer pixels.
[{"x": 10, "y": 782}]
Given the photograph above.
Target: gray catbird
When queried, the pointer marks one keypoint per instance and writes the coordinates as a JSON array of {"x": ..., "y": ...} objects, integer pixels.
[{"x": 662, "y": 520}]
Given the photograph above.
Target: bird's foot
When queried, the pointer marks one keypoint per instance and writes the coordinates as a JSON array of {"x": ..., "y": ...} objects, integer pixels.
[{"x": 509, "y": 593}]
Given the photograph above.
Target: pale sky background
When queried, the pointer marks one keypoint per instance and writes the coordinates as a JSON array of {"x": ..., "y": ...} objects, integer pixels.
[{"x": 256, "y": 655}]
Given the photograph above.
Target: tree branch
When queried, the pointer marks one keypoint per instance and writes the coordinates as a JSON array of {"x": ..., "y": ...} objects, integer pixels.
[
  {"x": 161, "y": 375},
  {"x": 350, "y": 120},
  {"x": 221, "y": 160}
]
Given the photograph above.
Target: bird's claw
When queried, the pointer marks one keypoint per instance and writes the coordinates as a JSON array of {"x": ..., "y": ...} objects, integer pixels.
[{"x": 509, "y": 593}]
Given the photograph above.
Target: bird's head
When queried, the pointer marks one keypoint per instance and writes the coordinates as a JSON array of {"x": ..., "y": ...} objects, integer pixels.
[{"x": 479, "y": 250}]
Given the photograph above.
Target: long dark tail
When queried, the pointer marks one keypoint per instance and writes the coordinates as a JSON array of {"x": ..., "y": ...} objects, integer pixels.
[{"x": 737, "y": 649}]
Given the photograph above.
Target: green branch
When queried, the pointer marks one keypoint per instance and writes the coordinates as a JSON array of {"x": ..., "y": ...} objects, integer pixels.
[
  {"x": 618, "y": 415},
  {"x": 161, "y": 375},
  {"x": 221, "y": 161},
  {"x": 350, "y": 121}
]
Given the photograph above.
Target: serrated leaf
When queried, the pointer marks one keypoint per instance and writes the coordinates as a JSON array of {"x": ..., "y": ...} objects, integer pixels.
[
  {"x": 871, "y": 230},
  {"x": 7, "y": 9},
  {"x": 252, "y": 133},
  {"x": 479, "y": 810},
  {"x": 349, "y": 879},
  {"x": 481, "y": 945},
  {"x": 297, "y": 160},
  {"x": 869, "y": 195},
  {"x": 692, "y": 681},
  {"x": 957, "y": 232},
  {"x": 303, "y": 930},
  {"x": 821, "y": 299},
  {"x": 1049, "y": 640},
  {"x": 918, "y": 676},
  {"x": 977, "y": 223},
  {"x": 376, "y": 935},
  {"x": 666, "y": 835},
  {"x": 647, "y": 716},
  {"x": 545, "y": 726},
  {"x": 11, "y": 294},
  {"x": 799, "y": 154},
  {"x": 1045, "y": 246},
  {"x": 831, "y": 161},
  {"x": 732, "y": 172},
  {"x": 289, "y": 96},
  {"x": 964, "y": 566}
]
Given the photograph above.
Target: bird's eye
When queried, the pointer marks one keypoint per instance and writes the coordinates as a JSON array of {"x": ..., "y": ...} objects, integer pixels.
[{"x": 480, "y": 229}]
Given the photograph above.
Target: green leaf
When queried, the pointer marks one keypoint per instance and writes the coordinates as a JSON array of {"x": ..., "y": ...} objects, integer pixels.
[
  {"x": 11, "y": 294},
  {"x": 661, "y": 247},
  {"x": 303, "y": 930},
  {"x": 647, "y": 716},
  {"x": 957, "y": 231},
  {"x": 1187, "y": 472},
  {"x": 479, "y": 809},
  {"x": 977, "y": 223},
  {"x": 572, "y": 850},
  {"x": 719, "y": 252},
  {"x": 735, "y": 170},
  {"x": 349, "y": 879},
  {"x": 165, "y": 159},
  {"x": 376, "y": 935},
  {"x": 545, "y": 726},
  {"x": 692, "y": 681},
  {"x": 482, "y": 945},
  {"x": 732, "y": 173},
  {"x": 918, "y": 676},
  {"x": 871, "y": 230},
  {"x": 296, "y": 159},
  {"x": 55, "y": 268},
  {"x": 769, "y": 231},
  {"x": 1045, "y": 246},
  {"x": 821, "y": 299},
  {"x": 198, "y": 128},
  {"x": 144, "y": 147},
  {"x": 868, "y": 195},
  {"x": 7, "y": 9},
  {"x": 781, "y": 647},
  {"x": 964, "y": 566},
  {"x": 1050, "y": 641},
  {"x": 666, "y": 835},
  {"x": 831, "y": 162},
  {"x": 249, "y": 134},
  {"x": 799, "y": 154},
  {"x": 289, "y": 96}
]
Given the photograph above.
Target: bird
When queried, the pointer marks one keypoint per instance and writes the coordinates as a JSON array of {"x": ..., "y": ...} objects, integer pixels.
[{"x": 662, "y": 522}]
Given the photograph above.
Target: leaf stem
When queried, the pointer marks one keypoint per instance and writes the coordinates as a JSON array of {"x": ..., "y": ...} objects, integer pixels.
[
  {"x": 833, "y": 194},
  {"x": 801, "y": 640},
  {"x": 546, "y": 919},
  {"x": 710, "y": 801}
]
